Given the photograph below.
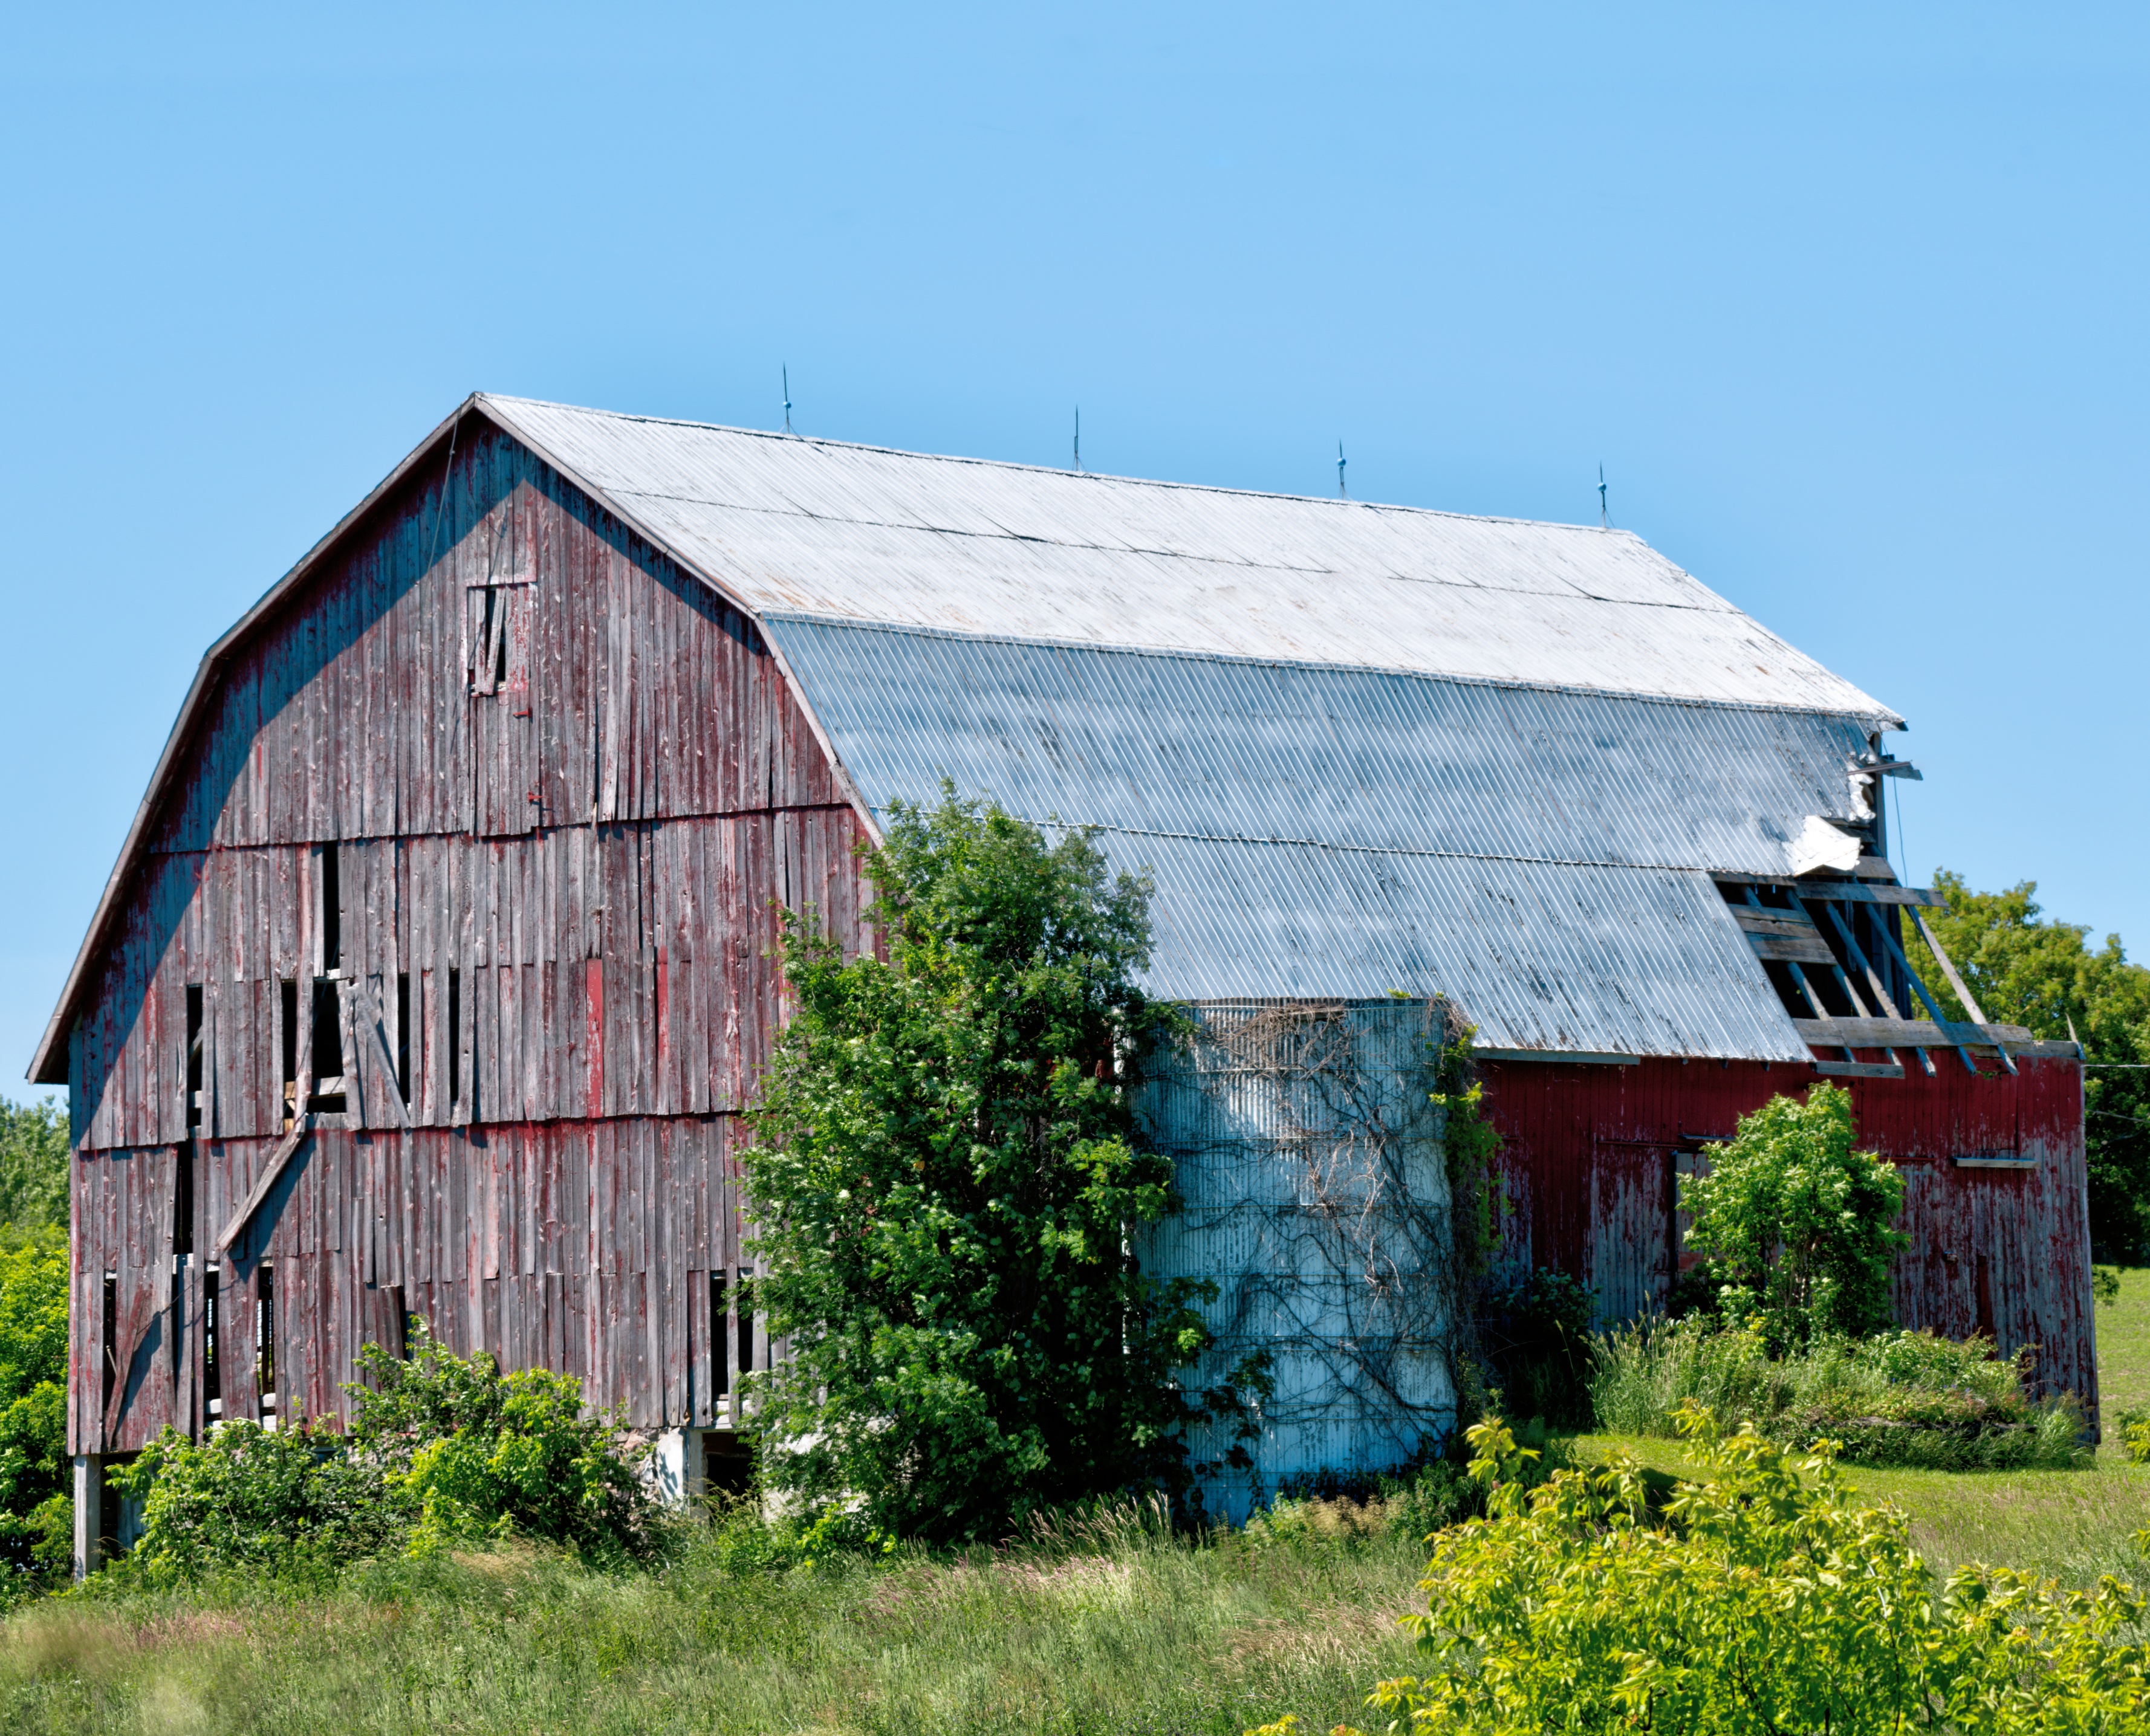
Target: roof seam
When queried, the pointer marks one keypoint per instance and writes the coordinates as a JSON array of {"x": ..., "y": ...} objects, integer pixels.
[
  {"x": 1110, "y": 548},
  {"x": 1316, "y": 843}
]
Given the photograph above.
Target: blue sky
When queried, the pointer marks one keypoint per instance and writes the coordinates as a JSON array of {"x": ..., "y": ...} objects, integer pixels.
[{"x": 1849, "y": 301}]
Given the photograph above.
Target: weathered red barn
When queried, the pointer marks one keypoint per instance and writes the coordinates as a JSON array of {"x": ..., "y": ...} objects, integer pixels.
[{"x": 435, "y": 970}]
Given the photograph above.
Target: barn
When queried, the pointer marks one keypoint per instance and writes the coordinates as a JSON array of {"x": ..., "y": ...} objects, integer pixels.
[{"x": 435, "y": 967}]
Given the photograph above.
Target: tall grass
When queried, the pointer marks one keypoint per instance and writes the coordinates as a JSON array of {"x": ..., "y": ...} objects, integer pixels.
[
  {"x": 1906, "y": 1399},
  {"x": 1109, "y": 1623}
]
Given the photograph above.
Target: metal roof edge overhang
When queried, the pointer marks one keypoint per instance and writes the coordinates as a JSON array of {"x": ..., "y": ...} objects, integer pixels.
[{"x": 1879, "y": 719}]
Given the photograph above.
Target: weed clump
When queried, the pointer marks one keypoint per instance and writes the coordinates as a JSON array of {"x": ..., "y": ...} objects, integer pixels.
[{"x": 1902, "y": 1398}]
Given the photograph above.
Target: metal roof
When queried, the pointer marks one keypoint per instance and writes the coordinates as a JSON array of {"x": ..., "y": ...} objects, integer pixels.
[
  {"x": 822, "y": 528},
  {"x": 1237, "y": 683},
  {"x": 1542, "y": 857}
]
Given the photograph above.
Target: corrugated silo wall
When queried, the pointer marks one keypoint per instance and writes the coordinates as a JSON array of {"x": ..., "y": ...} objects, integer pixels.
[{"x": 1309, "y": 1158}]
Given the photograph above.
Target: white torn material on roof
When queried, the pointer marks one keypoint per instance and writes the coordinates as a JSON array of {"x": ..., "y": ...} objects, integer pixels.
[{"x": 1822, "y": 846}]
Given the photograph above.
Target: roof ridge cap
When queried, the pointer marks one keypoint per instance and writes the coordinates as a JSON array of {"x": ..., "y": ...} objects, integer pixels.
[{"x": 1048, "y": 470}]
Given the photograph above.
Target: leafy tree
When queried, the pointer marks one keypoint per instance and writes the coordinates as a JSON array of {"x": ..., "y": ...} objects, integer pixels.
[
  {"x": 1794, "y": 1224},
  {"x": 33, "y": 1163},
  {"x": 2028, "y": 970},
  {"x": 36, "y": 1516},
  {"x": 945, "y": 1175},
  {"x": 1774, "y": 1603}
]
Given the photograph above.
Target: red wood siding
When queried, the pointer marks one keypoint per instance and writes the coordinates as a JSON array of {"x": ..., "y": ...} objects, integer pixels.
[
  {"x": 620, "y": 970},
  {"x": 580, "y": 1247},
  {"x": 599, "y": 849},
  {"x": 647, "y": 697},
  {"x": 1590, "y": 1153}
]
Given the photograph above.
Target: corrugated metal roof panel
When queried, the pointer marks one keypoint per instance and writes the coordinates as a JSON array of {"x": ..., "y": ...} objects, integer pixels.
[
  {"x": 1540, "y": 955},
  {"x": 1542, "y": 857},
  {"x": 1355, "y": 758},
  {"x": 821, "y": 528}
]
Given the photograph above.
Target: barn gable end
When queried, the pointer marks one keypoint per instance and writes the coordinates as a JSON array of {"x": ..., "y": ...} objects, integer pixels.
[{"x": 471, "y": 858}]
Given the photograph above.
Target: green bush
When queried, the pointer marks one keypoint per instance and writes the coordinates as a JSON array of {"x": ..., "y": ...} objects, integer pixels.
[
  {"x": 472, "y": 1452},
  {"x": 292, "y": 1500},
  {"x": 35, "y": 1508},
  {"x": 2134, "y": 1429},
  {"x": 1771, "y": 1601},
  {"x": 443, "y": 1449},
  {"x": 1898, "y": 1398},
  {"x": 945, "y": 1173},
  {"x": 1794, "y": 1224}
]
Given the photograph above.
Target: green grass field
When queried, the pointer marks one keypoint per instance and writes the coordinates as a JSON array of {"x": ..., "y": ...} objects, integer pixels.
[{"x": 1115, "y": 1629}]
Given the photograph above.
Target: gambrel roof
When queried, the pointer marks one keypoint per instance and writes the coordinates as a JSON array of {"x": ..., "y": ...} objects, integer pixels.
[{"x": 1362, "y": 748}]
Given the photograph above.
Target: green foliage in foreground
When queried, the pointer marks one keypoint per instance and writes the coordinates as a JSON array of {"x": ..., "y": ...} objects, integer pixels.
[
  {"x": 1794, "y": 1224},
  {"x": 443, "y": 1449},
  {"x": 1898, "y": 1399},
  {"x": 1767, "y": 1600},
  {"x": 945, "y": 1173},
  {"x": 35, "y": 1510},
  {"x": 2027, "y": 969},
  {"x": 33, "y": 1164}
]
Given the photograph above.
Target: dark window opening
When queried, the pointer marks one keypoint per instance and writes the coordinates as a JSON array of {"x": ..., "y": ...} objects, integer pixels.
[
  {"x": 290, "y": 1033},
  {"x": 745, "y": 1321},
  {"x": 727, "y": 1463},
  {"x": 111, "y": 1337},
  {"x": 212, "y": 1371},
  {"x": 328, "y": 1048},
  {"x": 183, "y": 1203},
  {"x": 488, "y": 657},
  {"x": 193, "y": 1055},
  {"x": 455, "y": 1036},
  {"x": 265, "y": 1339},
  {"x": 403, "y": 1035},
  {"x": 720, "y": 1366},
  {"x": 183, "y": 1248},
  {"x": 331, "y": 910},
  {"x": 399, "y": 1324}
]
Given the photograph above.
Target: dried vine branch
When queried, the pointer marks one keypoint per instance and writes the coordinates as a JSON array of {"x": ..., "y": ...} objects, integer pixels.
[{"x": 1307, "y": 1141}]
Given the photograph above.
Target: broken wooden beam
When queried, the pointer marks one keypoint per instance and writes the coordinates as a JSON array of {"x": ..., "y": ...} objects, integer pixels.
[
  {"x": 1852, "y": 892},
  {"x": 1928, "y": 1034},
  {"x": 270, "y": 1172}
]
